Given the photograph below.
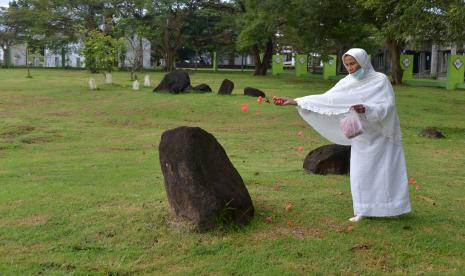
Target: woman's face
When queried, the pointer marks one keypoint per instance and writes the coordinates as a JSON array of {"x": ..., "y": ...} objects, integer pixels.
[{"x": 351, "y": 64}]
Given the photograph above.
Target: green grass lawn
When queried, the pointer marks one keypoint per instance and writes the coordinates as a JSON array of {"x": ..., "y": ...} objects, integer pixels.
[{"x": 81, "y": 189}]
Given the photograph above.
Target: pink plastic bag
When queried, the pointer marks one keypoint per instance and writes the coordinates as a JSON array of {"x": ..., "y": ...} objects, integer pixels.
[{"x": 351, "y": 125}]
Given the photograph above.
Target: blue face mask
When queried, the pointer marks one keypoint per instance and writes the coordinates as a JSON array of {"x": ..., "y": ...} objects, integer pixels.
[{"x": 358, "y": 74}]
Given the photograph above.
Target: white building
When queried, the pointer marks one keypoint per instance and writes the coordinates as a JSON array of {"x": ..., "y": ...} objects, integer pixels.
[
  {"x": 73, "y": 58},
  {"x": 136, "y": 49}
]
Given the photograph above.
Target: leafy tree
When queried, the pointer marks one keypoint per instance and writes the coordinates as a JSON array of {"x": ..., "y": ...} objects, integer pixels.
[
  {"x": 259, "y": 22},
  {"x": 402, "y": 21},
  {"x": 8, "y": 33},
  {"x": 101, "y": 51},
  {"x": 211, "y": 27},
  {"x": 132, "y": 26},
  {"x": 167, "y": 19},
  {"x": 326, "y": 27},
  {"x": 22, "y": 18}
]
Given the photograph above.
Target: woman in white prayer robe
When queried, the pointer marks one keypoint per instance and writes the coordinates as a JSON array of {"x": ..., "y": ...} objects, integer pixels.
[{"x": 378, "y": 176}]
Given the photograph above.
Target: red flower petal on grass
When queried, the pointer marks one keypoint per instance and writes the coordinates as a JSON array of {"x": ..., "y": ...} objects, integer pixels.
[
  {"x": 300, "y": 134},
  {"x": 269, "y": 219},
  {"x": 244, "y": 107},
  {"x": 289, "y": 206},
  {"x": 300, "y": 148}
]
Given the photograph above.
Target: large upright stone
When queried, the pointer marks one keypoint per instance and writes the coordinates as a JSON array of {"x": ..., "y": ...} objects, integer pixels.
[
  {"x": 226, "y": 87},
  {"x": 332, "y": 159},
  {"x": 174, "y": 82},
  {"x": 250, "y": 91},
  {"x": 202, "y": 185}
]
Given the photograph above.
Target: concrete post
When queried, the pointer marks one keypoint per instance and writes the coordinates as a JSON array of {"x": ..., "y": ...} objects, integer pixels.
[
  {"x": 434, "y": 61},
  {"x": 215, "y": 62}
]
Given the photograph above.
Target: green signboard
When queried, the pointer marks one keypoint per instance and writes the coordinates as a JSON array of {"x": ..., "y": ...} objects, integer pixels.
[
  {"x": 329, "y": 67},
  {"x": 406, "y": 63},
  {"x": 455, "y": 71},
  {"x": 278, "y": 62},
  {"x": 301, "y": 65}
]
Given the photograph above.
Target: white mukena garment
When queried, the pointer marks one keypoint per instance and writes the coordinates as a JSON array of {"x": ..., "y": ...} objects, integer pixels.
[{"x": 378, "y": 176}]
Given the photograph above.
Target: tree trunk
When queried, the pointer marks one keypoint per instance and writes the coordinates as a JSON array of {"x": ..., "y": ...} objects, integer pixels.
[
  {"x": 394, "y": 53},
  {"x": 27, "y": 64},
  {"x": 231, "y": 58},
  {"x": 169, "y": 59},
  {"x": 140, "y": 63},
  {"x": 261, "y": 66},
  {"x": 63, "y": 57},
  {"x": 5, "y": 57}
]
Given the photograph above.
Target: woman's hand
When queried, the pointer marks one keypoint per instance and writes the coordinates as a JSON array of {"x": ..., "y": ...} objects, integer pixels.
[
  {"x": 359, "y": 108},
  {"x": 288, "y": 101}
]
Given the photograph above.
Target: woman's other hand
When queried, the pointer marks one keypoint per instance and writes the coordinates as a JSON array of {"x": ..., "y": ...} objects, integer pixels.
[{"x": 359, "y": 108}]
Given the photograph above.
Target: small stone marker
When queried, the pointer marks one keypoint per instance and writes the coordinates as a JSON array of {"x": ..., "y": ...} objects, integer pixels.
[
  {"x": 202, "y": 88},
  {"x": 108, "y": 78},
  {"x": 332, "y": 159},
  {"x": 135, "y": 85},
  {"x": 147, "y": 81},
  {"x": 226, "y": 87},
  {"x": 250, "y": 91},
  {"x": 92, "y": 84},
  {"x": 201, "y": 183},
  {"x": 432, "y": 132}
]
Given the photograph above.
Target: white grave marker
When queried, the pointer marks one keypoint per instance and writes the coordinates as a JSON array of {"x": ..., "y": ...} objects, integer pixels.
[
  {"x": 108, "y": 78},
  {"x": 135, "y": 85},
  {"x": 92, "y": 84},
  {"x": 147, "y": 81}
]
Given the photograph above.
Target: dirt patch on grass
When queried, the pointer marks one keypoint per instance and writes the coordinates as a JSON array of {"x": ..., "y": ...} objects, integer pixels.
[
  {"x": 126, "y": 208},
  {"x": 137, "y": 124},
  {"x": 37, "y": 139},
  {"x": 11, "y": 132},
  {"x": 334, "y": 225},
  {"x": 60, "y": 113},
  {"x": 39, "y": 219},
  {"x": 297, "y": 231},
  {"x": 13, "y": 204},
  {"x": 42, "y": 100}
]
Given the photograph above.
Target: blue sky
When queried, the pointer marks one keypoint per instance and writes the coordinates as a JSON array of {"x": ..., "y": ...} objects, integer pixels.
[{"x": 4, "y": 2}]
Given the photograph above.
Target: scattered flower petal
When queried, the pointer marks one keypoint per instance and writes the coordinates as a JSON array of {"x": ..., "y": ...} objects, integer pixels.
[
  {"x": 244, "y": 107},
  {"x": 289, "y": 206}
]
